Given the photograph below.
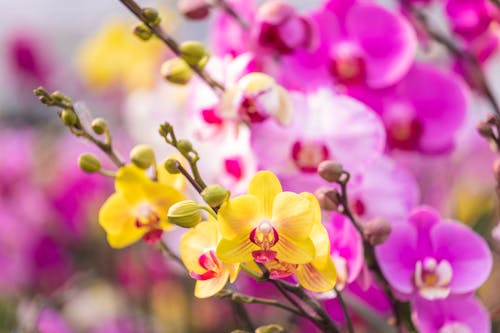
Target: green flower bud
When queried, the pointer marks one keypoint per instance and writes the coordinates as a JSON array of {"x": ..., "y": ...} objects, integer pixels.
[
  {"x": 270, "y": 329},
  {"x": 330, "y": 171},
  {"x": 143, "y": 32},
  {"x": 193, "y": 52},
  {"x": 215, "y": 195},
  {"x": 69, "y": 117},
  {"x": 176, "y": 71},
  {"x": 89, "y": 163},
  {"x": 184, "y": 146},
  {"x": 99, "y": 126},
  {"x": 185, "y": 214},
  {"x": 58, "y": 96},
  {"x": 151, "y": 16},
  {"x": 39, "y": 92},
  {"x": 172, "y": 166},
  {"x": 142, "y": 156}
]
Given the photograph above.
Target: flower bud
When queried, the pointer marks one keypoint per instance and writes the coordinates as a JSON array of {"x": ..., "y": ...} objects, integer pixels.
[
  {"x": 329, "y": 199},
  {"x": 215, "y": 195},
  {"x": 193, "y": 52},
  {"x": 89, "y": 163},
  {"x": 270, "y": 329},
  {"x": 176, "y": 71},
  {"x": 39, "y": 92},
  {"x": 69, "y": 117},
  {"x": 58, "y": 96},
  {"x": 185, "y": 214},
  {"x": 184, "y": 146},
  {"x": 142, "y": 156},
  {"x": 376, "y": 231},
  {"x": 330, "y": 171},
  {"x": 143, "y": 32},
  {"x": 151, "y": 16},
  {"x": 99, "y": 126},
  {"x": 485, "y": 129},
  {"x": 194, "y": 9},
  {"x": 172, "y": 166}
]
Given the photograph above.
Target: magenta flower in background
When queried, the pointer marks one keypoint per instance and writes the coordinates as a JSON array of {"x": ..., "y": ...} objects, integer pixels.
[
  {"x": 324, "y": 126},
  {"x": 359, "y": 43},
  {"x": 346, "y": 248},
  {"x": 279, "y": 28},
  {"x": 51, "y": 321},
  {"x": 462, "y": 314},
  {"x": 469, "y": 18},
  {"x": 395, "y": 188},
  {"x": 432, "y": 258},
  {"x": 423, "y": 111}
]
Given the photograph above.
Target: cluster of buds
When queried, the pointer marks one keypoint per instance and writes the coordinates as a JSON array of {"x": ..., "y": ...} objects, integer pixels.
[
  {"x": 179, "y": 70},
  {"x": 151, "y": 18}
]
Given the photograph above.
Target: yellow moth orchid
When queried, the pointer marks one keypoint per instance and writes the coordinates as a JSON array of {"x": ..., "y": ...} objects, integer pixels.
[
  {"x": 198, "y": 255},
  {"x": 138, "y": 208},
  {"x": 267, "y": 224}
]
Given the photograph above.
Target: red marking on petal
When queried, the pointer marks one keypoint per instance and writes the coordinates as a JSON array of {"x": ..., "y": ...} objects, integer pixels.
[
  {"x": 308, "y": 155},
  {"x": 234, "y": 166},
  {"x": 153, "y": 236},
  {"x": 263, "y": 256},
  {"x": 358, "y": 207},
  {"x": 211, "y": 117},
  {"x": 205, "y": 276},
  {"x": 277, "y": 274}
]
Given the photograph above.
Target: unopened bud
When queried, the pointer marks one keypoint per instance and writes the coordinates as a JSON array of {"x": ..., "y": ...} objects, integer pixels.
[
  {"x": 328, "y": 198},
  {"x": 176, "y": 71},
  {"x": 185, "y": 214},
  {"x": 194, "y": 9},
  {"x": 89, "y": 163},
  {"x": 58, "y": 96},
  {"x": 151, "y": 16},
  {"x": 194, "y": 53},
  {"x": 172, "y": 166},
  {"x": 142, "y": 156},
  {"x": 270, "y": 329},
  {"x": 330, "y": 171},
  {"x": 99, "y": 126},
  {"x": 143, "y": 32},
  {"x": 39, "y": 92},
  {"x": 485, "y": 129},
  {"x": 69, "y": 117},
  {"x": 377, "y": 231},
  {"x": 215, "y": 195},
  {"x": 184, "y": 146}
]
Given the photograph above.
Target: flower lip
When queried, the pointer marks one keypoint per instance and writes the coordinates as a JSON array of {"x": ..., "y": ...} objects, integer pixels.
[
  {"x": 432, "y": 278},
  {"x": 307, "y": 155},
  {"x": 208, "y": 261},
  {"x": 264, "y": 236}
]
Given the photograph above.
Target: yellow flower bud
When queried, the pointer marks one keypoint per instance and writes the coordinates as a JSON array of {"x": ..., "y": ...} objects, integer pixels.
[
  {"x": 270, "y": 329},
  {"x": 176, "y": 71},
  {"x": 143, "y": 32},
  {"x": 172, "y": 166},
  {"x": 69, "y": 117},
  {"x": 99, "y": 126},
  {"x": 89, "y": 163},
  {"x": 151, "y": 15},
  {"x": 194, "y": 53},
  {"x": 142, "y": 156},
  {"x": 184, "y": 146},
  {"x": 215, "y": 195},
  {"x": 185, "y": 214}
]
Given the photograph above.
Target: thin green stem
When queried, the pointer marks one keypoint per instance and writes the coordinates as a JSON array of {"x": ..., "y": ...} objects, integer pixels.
[
  {"x": 171, "y": 43},
  {"x": 164, "y": 247}
]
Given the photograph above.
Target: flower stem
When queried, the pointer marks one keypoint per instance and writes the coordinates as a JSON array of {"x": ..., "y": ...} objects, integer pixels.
[
  {"x": 222, "y": 4},
  {"x": 347, "y": 317},
  {"x": 171, "y": 43}
]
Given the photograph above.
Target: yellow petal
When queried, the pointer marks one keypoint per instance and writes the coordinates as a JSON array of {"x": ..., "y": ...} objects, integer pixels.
[
  {"x": 114, "y": 213},
  {"x": 161, "y": 197},
  {"x": 130, "y": 181},
  {"x": 265, "y": 186},
  {"x": 233, "y": 269},
  {"x": 235, "y": 251},
  {"x": 316, "y": 279},
  {"x": 293, "y": 215},
  {"x": 238, "y": 216},
  {"x": 195, "y": 242},
  {"x": 294, "y": 252},
  {"x": 208, "y": 288},
  {"x": 127, "y": 236}
]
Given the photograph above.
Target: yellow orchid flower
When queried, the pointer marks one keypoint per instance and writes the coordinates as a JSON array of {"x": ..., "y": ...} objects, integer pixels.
[
  {"x": 267, "y": 224},
  {"x": 319, "y": 275},
  {"x": 138, "y": 208},
  {"x": 115, "y": 56},
  {"x": 198, "y": 255}
]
